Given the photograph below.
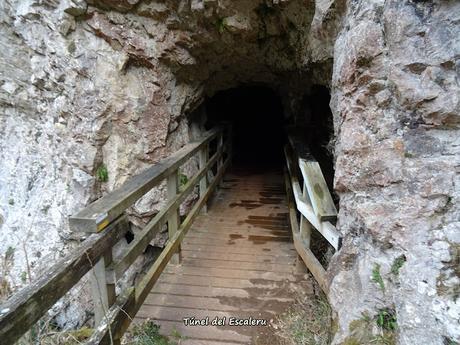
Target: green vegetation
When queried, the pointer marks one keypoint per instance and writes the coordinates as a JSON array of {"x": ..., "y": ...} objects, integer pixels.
[
  {"x": 9, "y": 253},
  {"x": 308, "y": 322},
  {"x": 397, "y": 264},
  {"x": 221, "y": 25},
  {"x": 408, "y": 155},
  {"x": 362, "y": 330},
  {"x": 102, "y": 174},
  {"x": 45, "y": 209},
  {"x": 183, "y": 179},
  {"x": 148, "y": 333},
  {"x": 377, "y": 277},
  {"x": 11, "y": 201},
  {"x": 386, "y": 319}
]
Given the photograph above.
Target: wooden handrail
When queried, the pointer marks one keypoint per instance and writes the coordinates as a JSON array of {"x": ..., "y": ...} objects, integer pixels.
[
  {"x": 314, "y": 203},
  {"x": 101, "y": 212},
  {"x": 106, "y": 217},
  {"x": 26, "y": 307}
]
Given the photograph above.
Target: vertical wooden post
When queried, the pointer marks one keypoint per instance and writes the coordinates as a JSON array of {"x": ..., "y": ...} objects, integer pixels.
[
  {"x": 99, "y": 291},
  {"x": 104, "y": 293},
  {"x": 229, "y": 144},
  {"x": 305, "y": 226},
  {"x": 111, "y": 292},
  {"x": 174, "y": 219},
  {"x": 203, "y": 160},
  {"x": 220, "y": 161}
]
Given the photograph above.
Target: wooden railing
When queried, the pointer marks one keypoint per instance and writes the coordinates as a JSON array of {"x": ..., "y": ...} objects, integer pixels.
[
  {"x": 312, "y": 203},
  {"x": 106, "y": 220}
]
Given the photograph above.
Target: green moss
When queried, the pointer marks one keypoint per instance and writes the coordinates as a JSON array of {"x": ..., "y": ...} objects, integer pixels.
[
  {"x": 377, "y": 277},
  {"x": 102, "y": 174}
]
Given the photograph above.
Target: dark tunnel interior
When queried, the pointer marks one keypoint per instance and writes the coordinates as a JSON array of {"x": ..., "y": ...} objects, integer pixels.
[
  {"x": 319, "y": 130},
  {"x": 256, "y": 113}
]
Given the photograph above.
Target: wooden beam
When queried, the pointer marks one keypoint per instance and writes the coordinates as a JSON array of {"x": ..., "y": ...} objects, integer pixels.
[
  {"x": 26, "y": 307},
  {"x": 326, "y": 229},
  {"x": 103, "y": 211},
  {"x": 303, "y": 251},
  {"x": 305, "y": 225},
  {"x": 320, "y": 197},
  {"x": 312, "y": 263},
  {"x": 99, "y": 291},
  {"x": 203, "y": 159},
  {"x": 174, "y": 217}
]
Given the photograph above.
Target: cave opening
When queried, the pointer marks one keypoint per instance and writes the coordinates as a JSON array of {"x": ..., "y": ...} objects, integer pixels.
[
  {"x": 256, "y": 114},
  {"x": 260, "y": 128},
  {"x": 317, "y": 124}
]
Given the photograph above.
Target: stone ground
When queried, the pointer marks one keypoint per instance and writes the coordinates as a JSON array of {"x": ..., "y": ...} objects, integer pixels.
[{"x": 238, "y": 261}]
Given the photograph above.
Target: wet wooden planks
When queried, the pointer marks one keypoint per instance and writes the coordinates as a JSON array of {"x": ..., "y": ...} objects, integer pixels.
[{"x": 238, "y": 261}]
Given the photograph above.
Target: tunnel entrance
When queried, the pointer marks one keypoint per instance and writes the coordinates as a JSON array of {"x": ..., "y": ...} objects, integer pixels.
[
  {"x": 317, "y": 121},
  {"x": 256, "y": 113}
]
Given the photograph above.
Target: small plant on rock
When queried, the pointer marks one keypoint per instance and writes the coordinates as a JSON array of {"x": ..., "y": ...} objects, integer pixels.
[
  {"x": 377, "y": 277},
  {"x": 148, "y": 333},
  {"x": 102, "y": 174},
  {"x": 386, "y": 319},
  {"x": 183, "y": 179},
  {"x": 221, "y": 25},
  {"x": 397, "y": 264}
]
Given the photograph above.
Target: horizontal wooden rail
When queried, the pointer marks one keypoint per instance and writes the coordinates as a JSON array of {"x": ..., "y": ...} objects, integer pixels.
[
  {"x": 138, "y": 245},
  {"x": 100, "y": 213},
  {"x": 26, "y": 307},
  {"x": 314, "y": 203},
  {"x": 106, "y": 217}
]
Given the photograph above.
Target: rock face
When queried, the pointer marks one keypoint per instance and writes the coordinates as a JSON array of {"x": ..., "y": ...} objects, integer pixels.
[
  {"x": 114, "y": 84},
  {"x": 396, "y": 107}
]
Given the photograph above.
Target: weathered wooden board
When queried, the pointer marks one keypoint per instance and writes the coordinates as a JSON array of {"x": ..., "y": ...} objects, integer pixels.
[
  {"x": 305, "y": 208},
  {"x": 319, "y": 194},
  {"x": 100, "y": 213},
  {"x": 26, "y": 307},
  {"x": 312, "y": 263}
]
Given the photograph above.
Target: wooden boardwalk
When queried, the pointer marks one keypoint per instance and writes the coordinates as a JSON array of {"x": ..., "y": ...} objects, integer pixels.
[{"x": 238, "y": 261}]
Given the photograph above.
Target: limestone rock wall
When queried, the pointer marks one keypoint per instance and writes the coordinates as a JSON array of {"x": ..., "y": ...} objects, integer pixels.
[
  {"x": 396, "y": 110},
  {"x": 86, "y": 84}
]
